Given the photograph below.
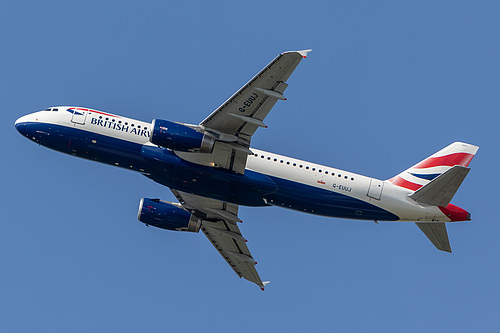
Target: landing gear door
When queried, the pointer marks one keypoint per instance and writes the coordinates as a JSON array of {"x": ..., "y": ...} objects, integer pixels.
[
  {"x": 375, "y": 190},
  {"x": 78, "y": 116}
]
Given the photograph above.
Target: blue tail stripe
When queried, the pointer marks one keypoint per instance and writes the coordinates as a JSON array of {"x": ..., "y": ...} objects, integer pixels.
[{"x": 425, "y": 176}]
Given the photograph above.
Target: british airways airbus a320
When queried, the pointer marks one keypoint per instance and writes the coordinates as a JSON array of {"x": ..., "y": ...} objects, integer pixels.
[{"x": 211, "y": 169}]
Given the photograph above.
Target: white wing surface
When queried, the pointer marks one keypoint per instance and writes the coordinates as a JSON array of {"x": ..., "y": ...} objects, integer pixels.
[{"x": 219, "y": 225}]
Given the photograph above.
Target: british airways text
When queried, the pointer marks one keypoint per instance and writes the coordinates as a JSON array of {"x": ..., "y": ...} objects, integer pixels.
[{"x": 120, "y": 127}]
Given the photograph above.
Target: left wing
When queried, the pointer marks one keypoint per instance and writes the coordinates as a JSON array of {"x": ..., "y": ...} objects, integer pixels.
[
  {"x": 234, "y": 122},
  {"x": 219, "y": 225}
]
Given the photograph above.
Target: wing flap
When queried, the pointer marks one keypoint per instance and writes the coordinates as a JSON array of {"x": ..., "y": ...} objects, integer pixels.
[{"x": 226, "y": 155}]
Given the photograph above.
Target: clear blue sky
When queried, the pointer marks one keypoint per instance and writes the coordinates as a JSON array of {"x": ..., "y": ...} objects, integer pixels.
[{"x": 388, "y": 83}]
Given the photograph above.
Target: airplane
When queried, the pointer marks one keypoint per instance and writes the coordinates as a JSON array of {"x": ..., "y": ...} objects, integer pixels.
[{"x": 212, "y": 170}]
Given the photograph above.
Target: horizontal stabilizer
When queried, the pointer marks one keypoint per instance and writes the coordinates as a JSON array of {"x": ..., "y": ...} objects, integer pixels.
[
  {"x": 436, "y": 232},
  {"x": 441, "y": 190}
]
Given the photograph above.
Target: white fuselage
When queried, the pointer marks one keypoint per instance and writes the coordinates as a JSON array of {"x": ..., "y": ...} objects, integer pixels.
[{"x": 381, "y": 194}]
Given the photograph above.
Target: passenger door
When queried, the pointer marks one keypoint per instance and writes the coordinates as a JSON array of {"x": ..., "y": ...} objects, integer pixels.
[{"x": 79, "y": 116}]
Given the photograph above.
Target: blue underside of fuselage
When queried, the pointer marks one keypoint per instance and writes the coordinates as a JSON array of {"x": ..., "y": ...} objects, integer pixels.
[{"x": 164, "y": 167}]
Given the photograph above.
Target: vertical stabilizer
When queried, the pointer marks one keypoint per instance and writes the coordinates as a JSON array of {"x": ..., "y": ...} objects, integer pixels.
[{"x": 421, "y": 174}]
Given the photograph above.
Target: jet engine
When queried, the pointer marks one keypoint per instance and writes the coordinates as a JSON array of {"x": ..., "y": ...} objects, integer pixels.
[
  {"x": 167, "y": 215},
  {"x": 180, "y": 137}
]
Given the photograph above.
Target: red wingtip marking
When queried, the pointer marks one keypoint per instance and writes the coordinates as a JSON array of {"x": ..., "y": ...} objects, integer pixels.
[
  {"x": 262, "y": 289},
  {"x": 265, "y": 126},
  {"x": 285, "y": 99},
  {"x": 304, "y": 56}
]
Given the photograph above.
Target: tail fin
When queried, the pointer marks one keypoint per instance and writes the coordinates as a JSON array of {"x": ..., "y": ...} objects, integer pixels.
[{"x": 421, "y": 174}]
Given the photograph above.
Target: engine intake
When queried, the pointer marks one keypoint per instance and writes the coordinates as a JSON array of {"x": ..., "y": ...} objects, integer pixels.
[
  {"x": 166, "y": 215},
  {"x": 180, "y": 137}
]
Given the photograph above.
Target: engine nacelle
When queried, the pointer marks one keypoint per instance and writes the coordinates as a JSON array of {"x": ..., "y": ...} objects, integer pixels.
[
  {"x": 180, "y": 137},
  {"x": 167, "y": 215}
]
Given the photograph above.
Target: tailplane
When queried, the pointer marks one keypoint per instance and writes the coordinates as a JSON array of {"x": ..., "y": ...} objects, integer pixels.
[
  {"x": 440, "y": 190},
  {"x": 436, "y": 232}
]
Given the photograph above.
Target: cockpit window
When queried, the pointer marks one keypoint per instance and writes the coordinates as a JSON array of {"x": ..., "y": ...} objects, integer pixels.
[
  {"x": 47, "y": 109},
  {"x": 55, "y": 109}
]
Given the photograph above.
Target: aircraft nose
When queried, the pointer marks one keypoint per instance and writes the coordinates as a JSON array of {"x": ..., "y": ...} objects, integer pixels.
[{"x": 21, "y": 125}]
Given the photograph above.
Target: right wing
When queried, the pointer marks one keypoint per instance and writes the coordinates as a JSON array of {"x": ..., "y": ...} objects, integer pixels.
[
  {"x": 244, "y": 112},
  {"x": 218, "y": 223},
  {"x": 234, "y": 122}
]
